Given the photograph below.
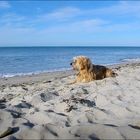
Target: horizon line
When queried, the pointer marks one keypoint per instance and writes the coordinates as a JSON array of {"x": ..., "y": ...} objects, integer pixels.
[{"x": 72, "y": 46}]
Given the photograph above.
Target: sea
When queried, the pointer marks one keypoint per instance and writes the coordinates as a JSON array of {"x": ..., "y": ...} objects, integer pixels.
[{"x": 33, "y": 60}]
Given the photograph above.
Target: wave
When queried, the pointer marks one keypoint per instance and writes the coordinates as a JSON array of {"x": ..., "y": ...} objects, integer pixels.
[
  {"x": 126, "y": 60},
  {"x": 7, "y": 75},
  {"x": 131, "y": 60}
]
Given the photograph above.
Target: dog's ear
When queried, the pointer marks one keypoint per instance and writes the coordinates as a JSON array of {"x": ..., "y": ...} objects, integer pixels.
[
  {"x": 89, "y": 65},
  {"x": 85, "y": 63}
]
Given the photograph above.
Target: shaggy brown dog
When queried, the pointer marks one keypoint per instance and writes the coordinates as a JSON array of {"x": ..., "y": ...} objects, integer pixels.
[{"x": 88, "y": 71}]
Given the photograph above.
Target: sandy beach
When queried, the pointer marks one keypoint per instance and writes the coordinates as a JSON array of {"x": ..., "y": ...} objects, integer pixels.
[{"x": 46, "y": 106}]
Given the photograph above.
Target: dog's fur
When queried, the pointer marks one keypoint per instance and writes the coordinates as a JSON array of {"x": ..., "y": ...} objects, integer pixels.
[{"x": 88, "y": 71}]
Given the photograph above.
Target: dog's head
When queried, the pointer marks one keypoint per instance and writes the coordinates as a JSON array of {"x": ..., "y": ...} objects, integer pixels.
[{"x": 81, "y": 63}]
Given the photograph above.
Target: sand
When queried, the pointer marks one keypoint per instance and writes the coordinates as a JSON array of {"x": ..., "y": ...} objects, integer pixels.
[{"x": 46, "y": 106}]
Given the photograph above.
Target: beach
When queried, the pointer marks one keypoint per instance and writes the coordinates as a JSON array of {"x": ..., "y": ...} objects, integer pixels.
[{"x": 46, "y": 106}]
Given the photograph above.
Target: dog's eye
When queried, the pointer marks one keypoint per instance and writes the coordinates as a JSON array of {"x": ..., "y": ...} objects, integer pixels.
[{"x": 75, "y": 61}]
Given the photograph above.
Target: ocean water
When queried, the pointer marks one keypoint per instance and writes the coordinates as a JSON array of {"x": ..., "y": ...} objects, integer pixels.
[{"x": 29, "y": 60}]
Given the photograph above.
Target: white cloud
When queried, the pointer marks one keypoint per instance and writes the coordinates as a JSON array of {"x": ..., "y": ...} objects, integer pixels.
[
  {"x": 90, "y": 25},
  {"x": 68, "y": 15},
  {"x": 61, "y": 14},
  {"x": 80, "y": 33},
  {"x": 13, "y": 20},
  {"x": 4, "y": 4},
  {"x": 122, "y": 8},
  {"x": 11, "y": 17}
]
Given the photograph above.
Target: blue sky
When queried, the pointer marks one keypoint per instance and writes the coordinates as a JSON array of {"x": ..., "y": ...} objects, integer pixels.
[{"x": 69, "y": 23}]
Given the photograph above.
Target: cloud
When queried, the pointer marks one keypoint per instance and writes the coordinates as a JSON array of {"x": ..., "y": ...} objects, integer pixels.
[
  {"x": 100, "y": 24},
  {"x": 61, "y": 14},
  {"x": 17, "y": 36},
  {"x": 122, "y": 8},
  {"x": 82, "y": 26},
  {"x": 14, "y": 20},
  {"x": 70, "y": 15},
  {"x": 4, "y": 4},
  {"x": 119, "y": 10},
  {"x": 86, "y": 32},
  {"x": 11, "y": 17}
]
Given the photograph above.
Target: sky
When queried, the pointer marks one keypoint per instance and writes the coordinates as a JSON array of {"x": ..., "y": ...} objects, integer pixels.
[{"x": 69, "y": 23}]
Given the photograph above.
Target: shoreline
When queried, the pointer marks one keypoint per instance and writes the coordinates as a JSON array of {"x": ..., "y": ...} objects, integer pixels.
[
  {"x": 46, "y": 76},
  {"x": 49, "y": 76},
  {"x": 10, "y": 75}
]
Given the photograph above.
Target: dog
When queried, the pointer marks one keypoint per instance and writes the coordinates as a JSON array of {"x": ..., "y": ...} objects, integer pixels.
[{"x": 88, "y": 72}]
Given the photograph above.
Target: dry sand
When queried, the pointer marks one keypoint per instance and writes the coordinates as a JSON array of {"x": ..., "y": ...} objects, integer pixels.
[{"x": 45, "y": 106}]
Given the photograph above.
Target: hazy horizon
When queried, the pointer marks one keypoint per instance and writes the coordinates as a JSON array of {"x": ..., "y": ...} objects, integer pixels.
[{"x": 67, "y": 46}]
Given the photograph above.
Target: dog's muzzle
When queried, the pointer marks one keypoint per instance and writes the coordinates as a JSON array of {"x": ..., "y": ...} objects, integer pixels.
[{"x": 71, "y": 63}]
